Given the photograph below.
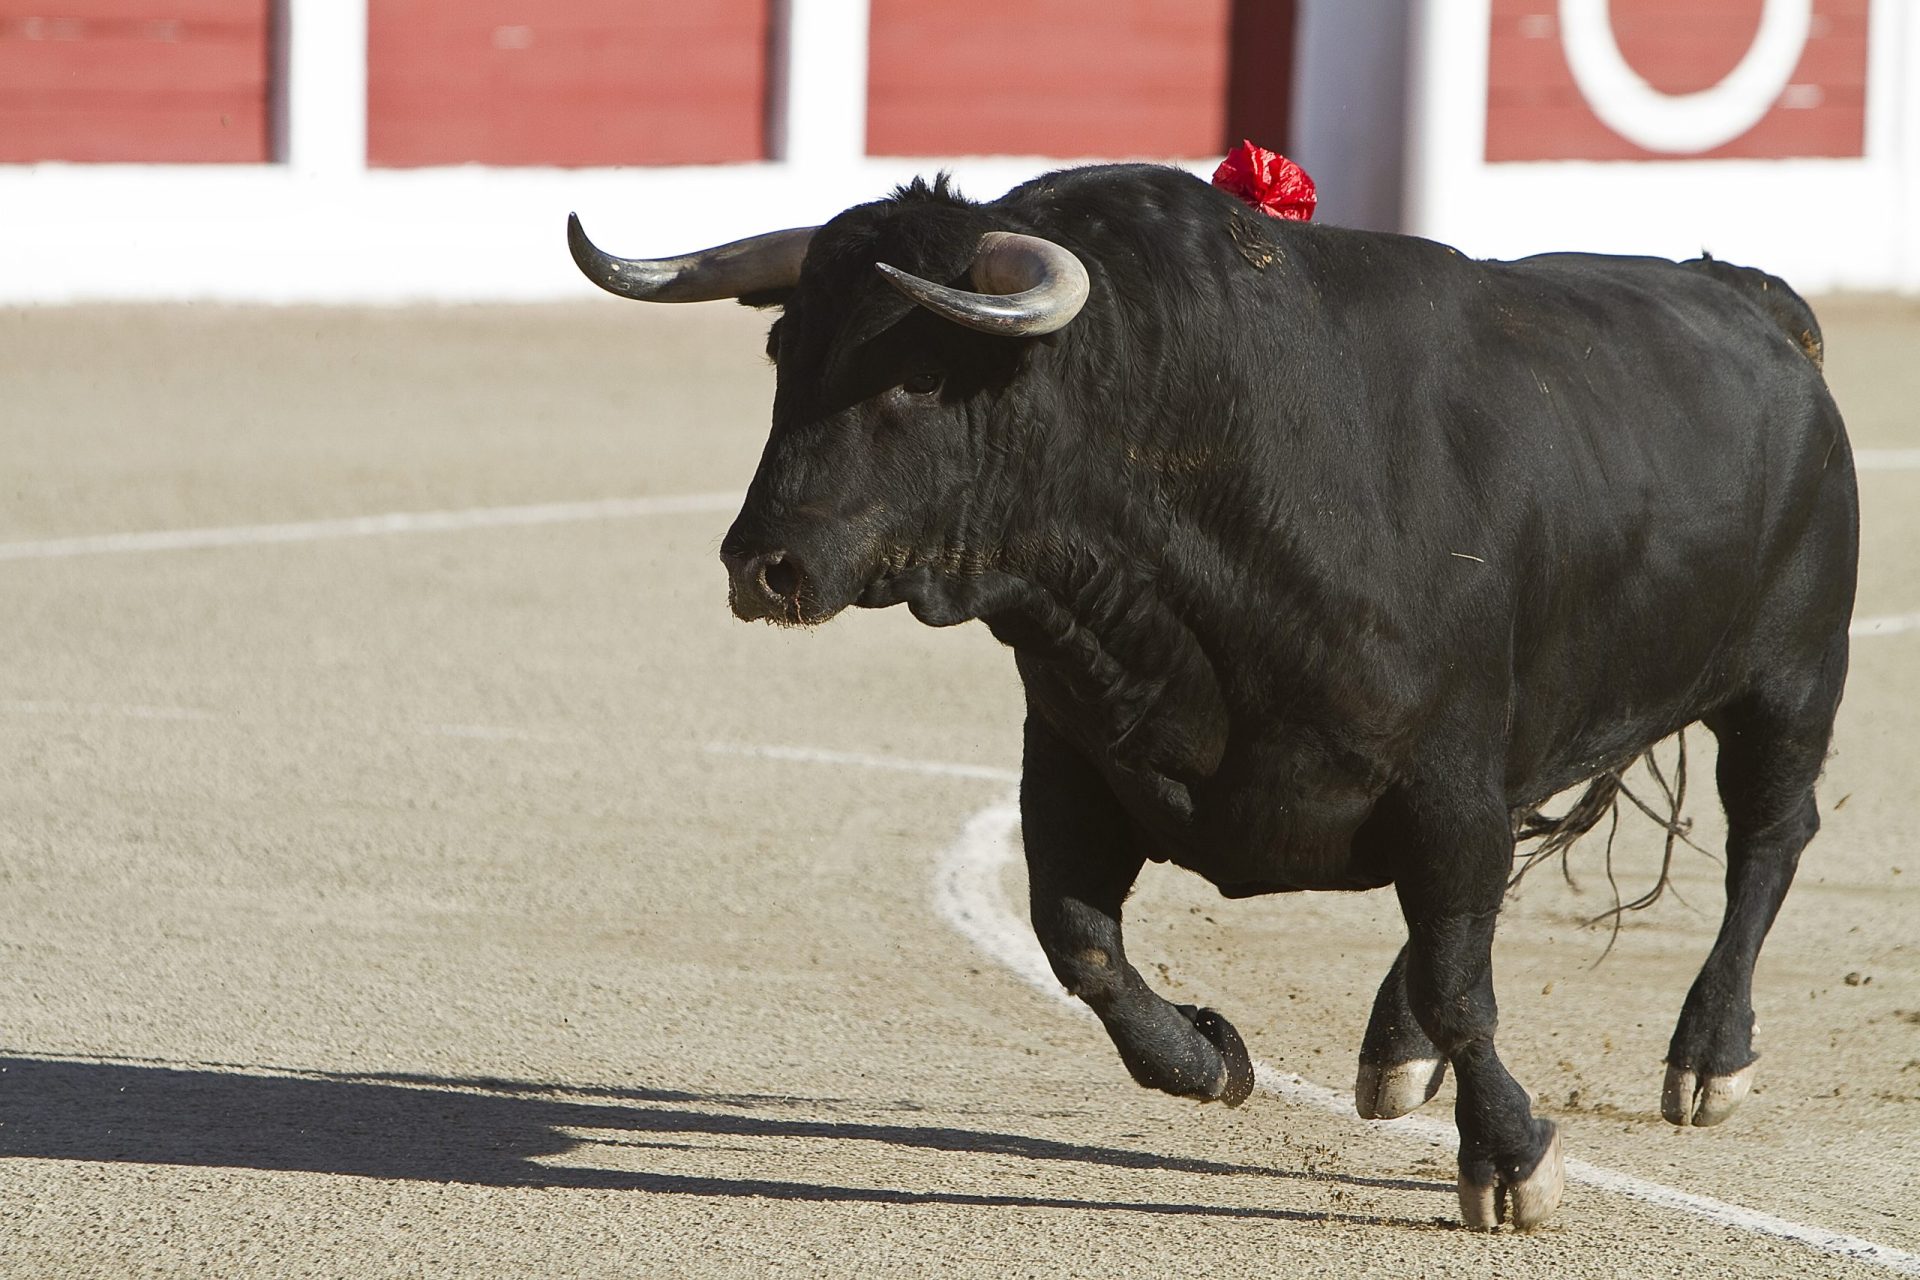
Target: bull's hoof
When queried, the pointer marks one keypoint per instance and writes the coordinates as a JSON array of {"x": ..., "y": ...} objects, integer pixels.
[
  {"x": 1689, "y": 1098},
  {"x": 1397, "y": 1088},
  {"x": 1236, "y": 1064},
  {"x": 1521, "y": 1202}
]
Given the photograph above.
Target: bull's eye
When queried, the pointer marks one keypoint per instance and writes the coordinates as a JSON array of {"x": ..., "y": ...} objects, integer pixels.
[{"x": 921, "y": 383}]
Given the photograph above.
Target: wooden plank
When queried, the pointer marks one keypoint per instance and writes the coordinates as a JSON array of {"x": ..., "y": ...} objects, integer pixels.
[
  {"x": 172, "y": 130},
  {"x": 231, "y": 61},
  {"x": 593, "y": 82},
  {"x": 54, "y": 13},
  {"x": 180, "y": 81},
  {"x": 1048, "y": 77}
]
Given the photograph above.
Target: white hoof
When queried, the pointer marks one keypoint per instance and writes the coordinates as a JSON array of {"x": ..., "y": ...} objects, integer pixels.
[
  {"x": 1689, "y": 1099},
  {"x": 1524, "y": 1204},
  {"x": 1395, "y": 1090}
]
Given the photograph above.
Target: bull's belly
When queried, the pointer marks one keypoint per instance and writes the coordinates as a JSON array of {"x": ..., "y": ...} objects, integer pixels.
[
  {"x": 1565, "y": 738},
  {"x": 1248, "y": 842}
]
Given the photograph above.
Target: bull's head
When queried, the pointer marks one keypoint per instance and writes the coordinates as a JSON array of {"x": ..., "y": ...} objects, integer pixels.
[{"x": 897, "y": 414}]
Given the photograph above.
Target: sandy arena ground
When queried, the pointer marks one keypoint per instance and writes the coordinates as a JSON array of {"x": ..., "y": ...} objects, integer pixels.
[{"x": 485, "y": 901}]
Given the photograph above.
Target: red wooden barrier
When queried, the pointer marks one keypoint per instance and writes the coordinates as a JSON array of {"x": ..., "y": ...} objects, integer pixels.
[
  {"x": 588, "y": 82},
  {"x": 152, "y": 80},
  {"x": 1048, "y": 77}
]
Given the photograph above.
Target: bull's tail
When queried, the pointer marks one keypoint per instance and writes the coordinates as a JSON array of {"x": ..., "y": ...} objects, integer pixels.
[
  {"x": 1557, "y": 834},
  {"x": 1773, "y": 296}
]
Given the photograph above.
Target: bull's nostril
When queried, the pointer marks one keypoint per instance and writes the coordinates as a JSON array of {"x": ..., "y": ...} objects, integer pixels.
[{"x": 780, "y": 576}]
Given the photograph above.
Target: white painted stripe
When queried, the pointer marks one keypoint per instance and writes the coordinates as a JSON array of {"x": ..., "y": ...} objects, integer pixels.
[
  {"x": 1891, "y": 624},
  {"x": 367, "y": 526},
  {"x": 1837, "y": 1243},
  {"x": 967, "y": 894},
  {"x": 495, "y": 733},
  {"x": 116, "y": 710},
  {"x": 811, "y": 755},
  {"x": 1886, "y": 459}
]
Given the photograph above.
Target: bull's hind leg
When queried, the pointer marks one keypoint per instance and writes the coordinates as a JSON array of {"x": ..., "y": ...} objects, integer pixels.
[
  {"x": 1080, "y": 867},
  {"x": 1772, "y": 746},
  {"x": 1450, "y": 881},
  {"x": 1400, "y": 1070}
]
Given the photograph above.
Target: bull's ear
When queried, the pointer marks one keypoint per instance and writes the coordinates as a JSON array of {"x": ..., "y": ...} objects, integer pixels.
[{"x": 761, "y": 299}]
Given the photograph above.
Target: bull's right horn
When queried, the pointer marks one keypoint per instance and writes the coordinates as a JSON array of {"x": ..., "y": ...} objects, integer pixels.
[
  {"x": 753, "y": 265},
  {"x": 1029, "y": 286}
]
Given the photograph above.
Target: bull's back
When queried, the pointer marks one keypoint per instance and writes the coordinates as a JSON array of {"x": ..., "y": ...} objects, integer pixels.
[
  {"x": 1689, "y": 470},
  {"x": 1598, "y": 473},
  {"x": 1774, "y": 296}
]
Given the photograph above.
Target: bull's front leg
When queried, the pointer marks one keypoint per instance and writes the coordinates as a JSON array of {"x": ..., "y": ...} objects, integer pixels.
[
  {"x": 1080, "y": 867},
  {"x": 1450, "y": 885}
]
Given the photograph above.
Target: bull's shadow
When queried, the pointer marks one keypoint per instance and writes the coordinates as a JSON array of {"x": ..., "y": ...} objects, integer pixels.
[{"x": 503, "y": 1133}]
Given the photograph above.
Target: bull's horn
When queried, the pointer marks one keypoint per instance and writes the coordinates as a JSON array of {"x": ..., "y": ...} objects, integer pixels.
[
  {"x": 753, "y": 265},
  {"x": 1028, "y": 285}
]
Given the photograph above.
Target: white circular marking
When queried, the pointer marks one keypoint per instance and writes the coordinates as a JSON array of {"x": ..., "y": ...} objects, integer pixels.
[
  {"x": 1890, "y": 625},
  {"x": 1684, "y": 123},
  {"x": 1886, "y": 459}
]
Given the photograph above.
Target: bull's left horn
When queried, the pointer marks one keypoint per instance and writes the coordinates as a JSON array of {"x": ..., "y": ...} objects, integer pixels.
[
  {"x": 1028, "y": 286},
  {"x": 753, "y": 265}
]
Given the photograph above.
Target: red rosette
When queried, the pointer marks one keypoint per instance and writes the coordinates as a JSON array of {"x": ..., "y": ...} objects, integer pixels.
[{"x": 1268, "y": 181}]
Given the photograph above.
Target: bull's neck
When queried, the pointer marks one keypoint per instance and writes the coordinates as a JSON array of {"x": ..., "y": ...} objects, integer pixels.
[
  {"x": 1173, "y": 548},
  {"x": 1093, "y": 589}
]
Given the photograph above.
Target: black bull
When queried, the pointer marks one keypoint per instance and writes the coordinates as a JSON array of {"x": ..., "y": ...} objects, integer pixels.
[{"x": 1325, "y": 557}]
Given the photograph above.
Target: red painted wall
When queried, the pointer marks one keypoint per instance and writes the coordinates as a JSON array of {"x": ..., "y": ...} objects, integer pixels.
[
  {"x": 587, "y": 82},
  {"x": 1048, "y": 77},
  {"x": 134, "y": 80},
  {"x": 1535, "y": 111}
]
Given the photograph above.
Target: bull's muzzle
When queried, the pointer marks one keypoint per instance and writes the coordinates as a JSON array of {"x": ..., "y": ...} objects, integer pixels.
[{"x": 765, "y": 585}]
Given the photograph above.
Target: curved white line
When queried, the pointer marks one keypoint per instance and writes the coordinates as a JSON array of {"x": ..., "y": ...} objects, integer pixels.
[
  {"x": 860, "y": 759},
  {"x": 1890, "y": 625},
  {"x": 1686, "y": 122},
  {"x": 367, "y": 526},
  {"x": 1886, "y": 459},
  {"x": 966, "y": 893}
]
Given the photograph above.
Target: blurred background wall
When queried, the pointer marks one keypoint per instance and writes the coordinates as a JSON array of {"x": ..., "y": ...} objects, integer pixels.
[{"x": 385, "y": 150}]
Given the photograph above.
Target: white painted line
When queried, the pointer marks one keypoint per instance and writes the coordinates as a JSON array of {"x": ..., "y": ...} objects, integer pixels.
[
  {"x": 367, "y": 526},
  {"x": 966, "y": 893},
  {"x": 136, "y": 711},
  {"x": 1836, "y": 1243},
  {"x": 810, "y": 755},
  {"x": 1892, "y": 624},
  {"x": 1886, "y": 459},
  {"x": 116, "y": 710},
  {"x": 494, "y": 733}
]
